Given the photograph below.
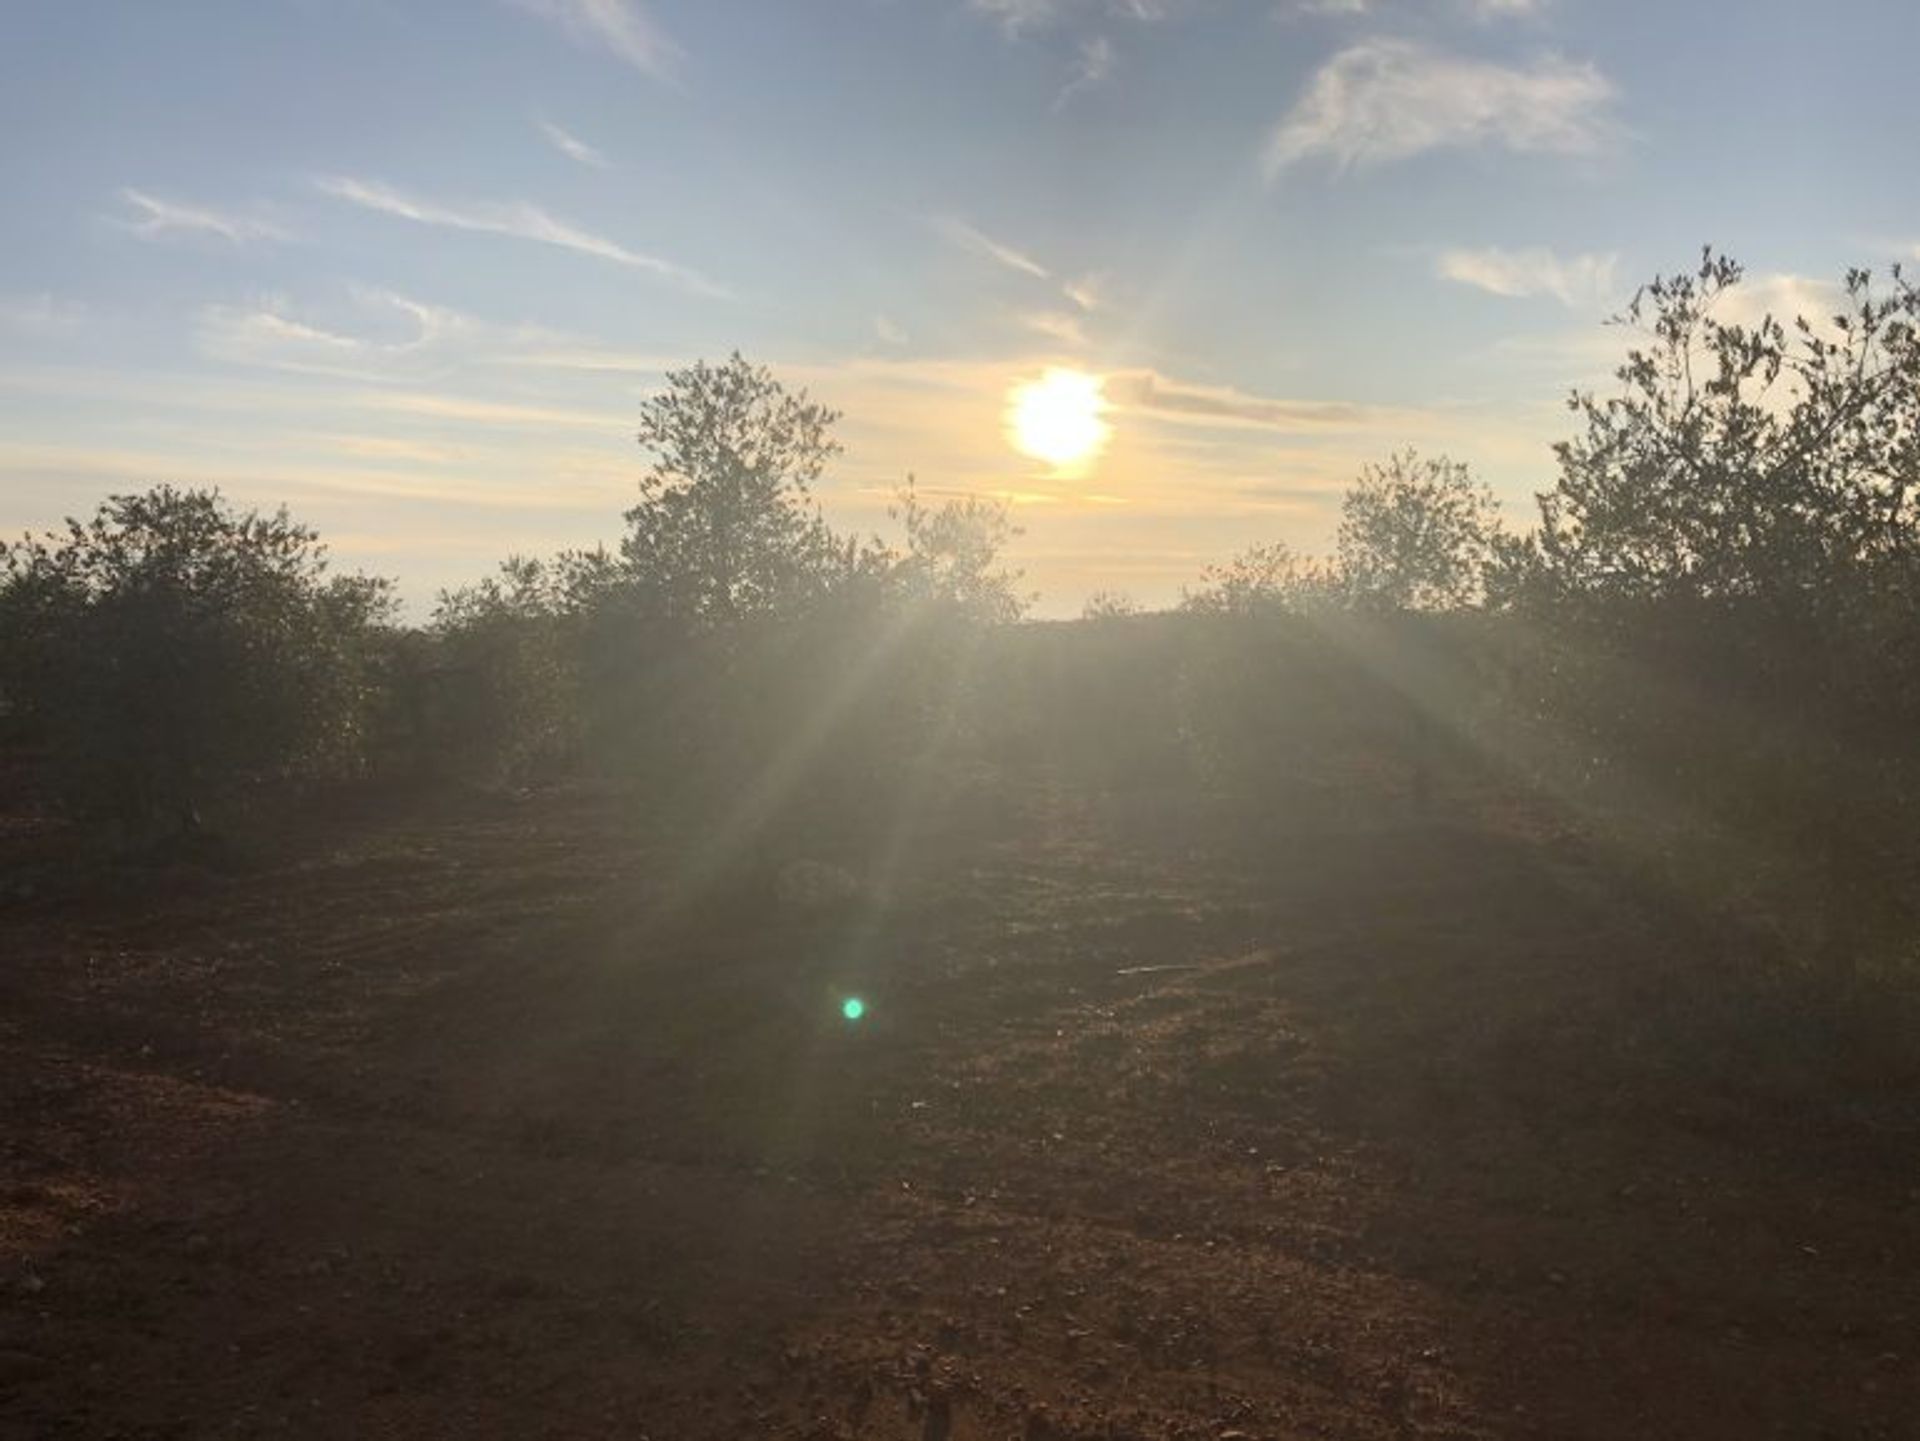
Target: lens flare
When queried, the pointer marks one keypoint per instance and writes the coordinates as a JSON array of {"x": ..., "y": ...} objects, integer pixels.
[{"x": 853, "y": 1008}]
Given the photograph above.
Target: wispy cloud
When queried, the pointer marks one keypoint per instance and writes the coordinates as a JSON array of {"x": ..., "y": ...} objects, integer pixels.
[
  {"x": 1330, "y": 7},
  {"x": 1084, "y": 292},
  {"x": 1019, "y": 17},
  {"x": 1784, "y": 295},
  {"x": 267, "y": 478},
  {"x": 267, "y": 337},
  {"x": 1780, "y": 294},
  {"x": 621, "y": 27},
  {"x": 396, "y": 447},
  {"x": 887, "y": 331},
  {"x": 490, "y": 412},
  {"x": 966, "y": 237},
  {"x": 1192, "y": 467},
  {"x": 154, "y": 217},
  {"x": 569, "y": 144},
  {"x": 1587, "y": 356},
  {"x": 1056, "y": 325},
  {"x": 1015, "y": 16},
  {"x": 514, "y": 218},
  {"x": 1387, "y": 100},
  {"x": 1092, "y": 67},
  {"x": 391, "y": 337},
  {"x": 1575, "y": 280},
  {"x": 1148, "y": 391},
  {"x": 383, "y": 337},
  {"x": 273, "y": 406}
]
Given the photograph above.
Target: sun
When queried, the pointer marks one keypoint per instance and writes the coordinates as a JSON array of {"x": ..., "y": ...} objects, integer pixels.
[{"x": 1057, "y": 418}]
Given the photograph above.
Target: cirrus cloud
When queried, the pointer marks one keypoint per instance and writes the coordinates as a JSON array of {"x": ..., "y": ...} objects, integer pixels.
[
  {"x": 569, "y": 144},
  {"x": 518, "y": 219},
  {"x": 619, "y": 26},
  {"x": 155, "y": 217},
  {"x": 966, "y": 237},
  {"x": 1574, "y": 280},
  {"x": 1018, "y": 17},
  {"x": 1092, "y": 68},
  {"x": 1385, "y": 100}
]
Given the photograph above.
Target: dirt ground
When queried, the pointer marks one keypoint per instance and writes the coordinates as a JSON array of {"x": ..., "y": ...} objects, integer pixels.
[{"x": 458, "y": 1122}]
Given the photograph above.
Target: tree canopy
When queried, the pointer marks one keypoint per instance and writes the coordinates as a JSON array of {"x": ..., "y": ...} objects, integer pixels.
[
  {"x": 727, "y": 528},
  {"x": 1743, "y": 457},
  {"x": 1267, "y": 578},
  {"x": 1415, "y": 534},
  {"x": 172, "y": 648}
]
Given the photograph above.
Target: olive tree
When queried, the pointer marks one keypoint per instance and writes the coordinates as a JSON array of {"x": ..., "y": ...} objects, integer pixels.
[
  {"x": 172, "y": 650},
  {"x": 1744, "y": 456},
  {"x": 1725, "y": 572},
  {"x": 1265, "y": 579},
  {"x": 954, "y": 556},
  {"x": 1415, "y": 534},
  {"x": 507, "y": 666},
  {"x": 727, "y": 528}
]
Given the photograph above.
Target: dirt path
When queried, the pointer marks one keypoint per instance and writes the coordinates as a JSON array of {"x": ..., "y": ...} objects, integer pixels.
[{"x": 451, "y": 1130}]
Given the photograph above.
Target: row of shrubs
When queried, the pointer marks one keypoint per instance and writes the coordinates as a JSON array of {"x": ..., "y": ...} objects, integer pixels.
[{"x": 1705, "y": 648}]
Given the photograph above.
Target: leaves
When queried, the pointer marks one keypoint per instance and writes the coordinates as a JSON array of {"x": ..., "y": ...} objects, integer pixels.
[
  {"x": 1264, "y": 579},
  {"x": 1744, "y": 459},
  {"x": 1416, "y": 535},
  {"x": 726, "y": 527},
  {"x": 170, "y": 650},
  {"x": 953, "y": 556}
]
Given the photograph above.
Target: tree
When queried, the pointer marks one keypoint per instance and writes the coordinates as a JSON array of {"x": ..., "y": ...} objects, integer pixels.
[
  {"x": 1109, "y": 605},
  {"x": 1725, "y": 571},
  {"x": 1744, "y": 460},
  {"x": 172, "y": 650},
  {"x": 1415, "y": 535},
  {"x": 953, "y": 556},
  {"x": 1264, "y": 579},
  {"x": 726, "y": 528},
  {"x": 508, "y": 652}
]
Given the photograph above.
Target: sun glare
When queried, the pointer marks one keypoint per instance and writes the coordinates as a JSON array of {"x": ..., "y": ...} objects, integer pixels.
[{"x": 1057, "y": 418}]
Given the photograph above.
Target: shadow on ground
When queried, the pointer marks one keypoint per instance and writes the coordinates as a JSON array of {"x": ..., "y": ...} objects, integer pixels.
[{"x": 459, "y": 1122}]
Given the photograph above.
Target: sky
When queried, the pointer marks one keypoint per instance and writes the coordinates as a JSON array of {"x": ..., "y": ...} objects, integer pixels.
[{"x": 410, "y": 266}]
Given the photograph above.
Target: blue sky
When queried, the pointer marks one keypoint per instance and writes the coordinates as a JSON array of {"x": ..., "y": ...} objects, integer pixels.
[{"x": 408, "y": 266}]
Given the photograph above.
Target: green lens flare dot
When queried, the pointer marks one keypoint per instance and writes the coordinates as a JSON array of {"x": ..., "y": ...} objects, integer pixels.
[{"x": 853, "y": 1008}]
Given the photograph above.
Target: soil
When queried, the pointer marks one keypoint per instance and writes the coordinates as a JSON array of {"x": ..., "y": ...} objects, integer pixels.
[{"x": 467, "y": 1119}]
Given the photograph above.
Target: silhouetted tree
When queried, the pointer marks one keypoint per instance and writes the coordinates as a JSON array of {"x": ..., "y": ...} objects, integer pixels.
[
  {"x": 171, "y": 650},
  {"x": 1109, "y": 605},
  {"x": 1262, "y": 580},
  {"x": 508, "y": 666},
  {"x": 1724, "y": 573},
  {"x": 1743, "y": 459},
  {"x": 727, "y": 528},
  {"x": 954, "y": 557},
  {"x": 1415, "y": 534}
]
